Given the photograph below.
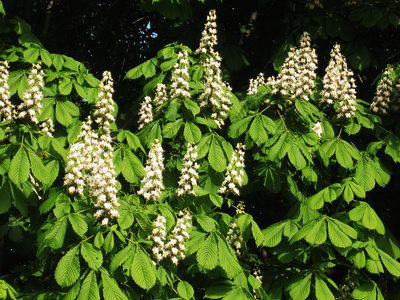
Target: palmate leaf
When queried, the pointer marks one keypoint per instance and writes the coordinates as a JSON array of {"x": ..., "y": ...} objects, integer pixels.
[
  {"x": 91, "y": 255},
  {"x": 367, "y": 291},
  {"x": 68, "y": 268},
  {"x": 227, "y": 258},
  {"x": 142, "y": 270},
  {"x": 89, "y": 289},
  {"x": 337, "y": 236},
  {"x": 381, "y": 173},
  {"x": 111, "y": 290},
  {"x": 19, "y": 167},
  {"x": 207, "y": 255},
  {"x": 317, "y": 235},
  {"x": 367, "y": 216},
  {"x": 390, "y": 263}
]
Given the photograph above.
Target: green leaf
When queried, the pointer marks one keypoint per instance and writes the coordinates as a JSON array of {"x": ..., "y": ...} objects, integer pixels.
[
  {"x": 109, "y": 242},
  {"x": 65, "y": 86},
  {"x": 381, "y": 173},
  {"x": 111, "y": 290},
  {"x": 216, "y": 155},
  {"x": 73, "y": 292},
  {"x": 257, "y": 131},
  {"x": 192, "y": 106},
  {"x": 68, "y": 268},
  {"x": 171, "y": 129},
  {"x": 91, "y": 255},
  {"x": 219, "y": 291},
  {"x": 148, "y": 69},
  {"x": 294, "y": 153},
  {"x": 317, "y": 235},
  {"x": 257, "y": 234},
  {"x": 206, "y": 223},
  {"x": 89, "y": 289},
  {"x": 132, "y": 168},
  {"x": 191, "y": 132},
  {"x": 78, "y": 223},
  {"x": 142, "y": 270},
  {"x": 52, "y": 169},
  {"x": 39, "y": 171},
  {"x": 280, "y": 148},
  {"x": 46, "y": 57},
  {"x": 273, "y": 234},
  {"x": 238, "y": 128},
  {"x": 342, "y": 155},
  {"x": 216, "y": 199},
  {"x": 121, "y": 257},
  {"x": 367, "y": 216},
  {"x": 366, "y": 291},
  {"x": 58, "y": 61},
  {"x": 56, "y": 234},
  {"x": 227, "y": 258},
  {"x": 390, "y": 264},
  {"x": 301, "y": 289},
  {"x": 338, "y": 237},
  {"x": 172, "y": 111},
  {"x": 134, "y": 73},
  {"x": 31, "y": 55},
  {"x": 207, "y": 255},
  {"x": 185, "y": 290},
  {"x": 364, "y": 174},
  {"x": 19, "y": 167},
  {"x": 5, "y": 202},
  {"x": 62, "y": 114},
  {"x": 322, "y": 291}
]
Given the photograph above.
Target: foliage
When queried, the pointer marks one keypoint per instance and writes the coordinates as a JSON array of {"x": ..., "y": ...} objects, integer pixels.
[{"x": 327, "y": 228}]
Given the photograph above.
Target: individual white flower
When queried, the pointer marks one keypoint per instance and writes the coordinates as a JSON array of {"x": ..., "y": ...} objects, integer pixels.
[
  {"x": 318, "y": 129},
  {"x": 297, "y": 78},
  {"x": 234, "y": 173},
  {"x": 189, "y": 173},
  {"x": 31, "y": 106},
  {"x": 145, "y": 112},
  {"x": 339, "y": 85},
  {"x": 6, "y": 107},
  {"x": 384, "y": 92},
  {"x": 152, "y": 182}
]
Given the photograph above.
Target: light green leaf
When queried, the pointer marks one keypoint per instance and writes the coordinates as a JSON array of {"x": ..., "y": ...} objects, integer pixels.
[
  {"x": 148, "y": 69},
  {"x": 39, "y": 171},
  {"x": 206, "y": 223},
  {"x": 62, "y": 114},
  {"x": 216, "y": 156},
  {"x": 257, "y": 131},
  {"x": 317, "y": 235},
  {"x": 390, "y": 263},
  {"x": 89, "y": 289},
  {"x": 219, "y": 291},
  {"x": 238, "y": 128},
  {"x": 192, "y": 106},
  {"x": 109, "y": 242},
  {"x": 46, "y": 57},
  {"x": 273, "y": 234},
  {"x": 91, "y": 255},
  {"x": 56, "y": 234},
  {"x": 294, "y": 153},
  {"x": 342, "y": 155},
  {"x": 257, "y": 234},
  {"x": 227, "y": 258},
  {"x": 132, "y": 168},
  {"x": 142, "y": 270},
  {"x": 31, "y": 55},
  {"x": 364, "y": 174},
  {"x": 73, "y": 292},
  {"x": 216, "y": 199},
  {"x": 171, "y": 129},
  {"x": 338, "y": 237},
  {"x": 279, "y": 149},
  {"x": 65, "y": 86},
  {"x": 322, "y": 291},
  {"x": 19, "y": 167},
  {"x": 301, "y": 289},
  {"x": 207, "y": 255},
  {"x": 68, "y": 268},
  {"x": 185, "y": 290},
  {"x": 78, "y": 223},
  {"x": 191, "y": 132},
  {"x": 134, "y": 73},
  {"x": 52, "y": 169},
  {"x": 381, "y": 173},
  {"x": 119, "y": 258},
  {"x": 111, "y": 290},
  {"x": 58, "y": 61}
]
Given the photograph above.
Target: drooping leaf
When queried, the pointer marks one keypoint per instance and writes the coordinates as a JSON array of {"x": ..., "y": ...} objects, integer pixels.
[
  {"x": 68, "y": 268},
  {"x": 131, "y": 168},
  {"x": 56, "y": 234},
  {"x": 364, "y": 174},
  {"x": 216, "y": 156},
  {"x": 185, "y": 290},
  {"x": 227, "y": 258},
  {"x": 191, "y": 132},
  {"x": 119, "y": 258},
  {"x": 257, "y": 131},
  {"x": 19, "y": 167},
  {"x": 111, "y": 290},
  {"x": 89, "y": 289},
  {"x": 239, "y": 127},
  {"x": 91, "y": 255},
  {"x": 207, "y": 255},
  {"x": 322, "y": 291},
  {"x": 301, "y": 288},
  {"x": 142, "y": 270},
  {"x": 78, "y": 223}
]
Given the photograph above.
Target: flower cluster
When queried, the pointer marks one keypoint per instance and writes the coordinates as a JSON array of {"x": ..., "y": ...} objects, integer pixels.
[
  {"x": 395, "y": 103},
  {"x": 189, "y": 173},
  {"x": 209, "y": 35},
  {"x": 105, "y": 103},
  {"x": 297, "y": 78},
  {"x": 6, "y": 108},
  {"x": 235, "y": 172},
  {"x": 318, "y": 129},
  {"x": 47, "y": 127},
  {"x": 384, "y": 91},
  {"x": 235, "y": 238},
  {"x": 145, "y": 112},
  {"x": 160, "y": 96},
  {"x": 339, "y": 85},
  {"x": 180, "y": 77},
  {"x": 255, "y": 83},
  {"x": 90, "y": 161},
  {"x": 152, "y": 182},
  {"x": 174, "y": 247},
  {"x": 31, "y": 107}
]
